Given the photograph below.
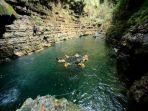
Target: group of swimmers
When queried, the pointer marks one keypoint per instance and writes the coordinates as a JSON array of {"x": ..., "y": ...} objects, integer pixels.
[{"x": 73, "y": 60}]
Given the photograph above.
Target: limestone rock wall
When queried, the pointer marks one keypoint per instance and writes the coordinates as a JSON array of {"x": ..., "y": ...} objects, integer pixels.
[{"x": 56, "y": 28}]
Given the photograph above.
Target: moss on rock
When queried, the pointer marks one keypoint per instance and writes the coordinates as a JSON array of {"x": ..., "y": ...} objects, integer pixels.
[
  {"x": 126, "y": 14},
  {"x": 6, "y": 9}
]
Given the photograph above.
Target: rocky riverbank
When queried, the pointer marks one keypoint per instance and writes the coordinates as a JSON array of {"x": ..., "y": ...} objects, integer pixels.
[{"x": 60, "y": 25}]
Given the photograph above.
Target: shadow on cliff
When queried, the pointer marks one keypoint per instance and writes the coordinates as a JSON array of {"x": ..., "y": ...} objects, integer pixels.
[{"x": 5, "y": 20}]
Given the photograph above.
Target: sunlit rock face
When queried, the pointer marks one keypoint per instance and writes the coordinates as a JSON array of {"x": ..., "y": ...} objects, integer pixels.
[
  {"x": 55, "y": 24},
  {"x": 98, "y": 11}
]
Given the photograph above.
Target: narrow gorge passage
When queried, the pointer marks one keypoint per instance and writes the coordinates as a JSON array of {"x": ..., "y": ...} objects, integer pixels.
[
  {"x": 94, "y": 88},
  {"x": 73, "y": 55}
]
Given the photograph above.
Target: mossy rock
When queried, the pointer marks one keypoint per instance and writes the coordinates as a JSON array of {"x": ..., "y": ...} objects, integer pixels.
[{"x": 6, "y": 9}]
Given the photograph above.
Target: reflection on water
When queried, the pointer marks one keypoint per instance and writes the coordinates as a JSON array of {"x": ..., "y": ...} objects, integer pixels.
[{"x": 96, "y": 88}]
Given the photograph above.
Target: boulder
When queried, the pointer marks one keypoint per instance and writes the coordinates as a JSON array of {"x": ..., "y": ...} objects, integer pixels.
[{"x": 48, "y": 103}]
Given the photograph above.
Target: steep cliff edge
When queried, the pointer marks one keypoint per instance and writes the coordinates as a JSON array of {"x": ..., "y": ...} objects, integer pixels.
[{"x": 129, "y": 37}]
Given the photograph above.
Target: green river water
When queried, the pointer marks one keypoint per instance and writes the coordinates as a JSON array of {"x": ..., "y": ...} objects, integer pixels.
[{"x": 95, "y": 88}]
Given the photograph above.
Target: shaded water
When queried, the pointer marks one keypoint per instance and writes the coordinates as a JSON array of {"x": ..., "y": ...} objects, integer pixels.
[{"x": 96, "y": 88}]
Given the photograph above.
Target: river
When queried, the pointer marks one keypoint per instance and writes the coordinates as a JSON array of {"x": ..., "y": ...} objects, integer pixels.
[{"x": 95, "y": 88}]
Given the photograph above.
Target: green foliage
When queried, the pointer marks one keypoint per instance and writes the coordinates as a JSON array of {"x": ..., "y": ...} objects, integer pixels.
[
  {"x": 125, "y": 14},
  {"x": 6, "y": 9},
  {"x": 140, "y": 16},
  {"x": 126, "y": 8},
  {"x": 118, "y": 25},
  {"x": 115, "y": 31},
  {"x": 1, "y": 9},
  {"x": 119, "y": 10}
]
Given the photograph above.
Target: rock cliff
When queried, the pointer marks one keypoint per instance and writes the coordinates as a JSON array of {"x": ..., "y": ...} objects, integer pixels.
[
  {"x": 55, "y": 23},
  {"x": 129, "y": 37}
]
